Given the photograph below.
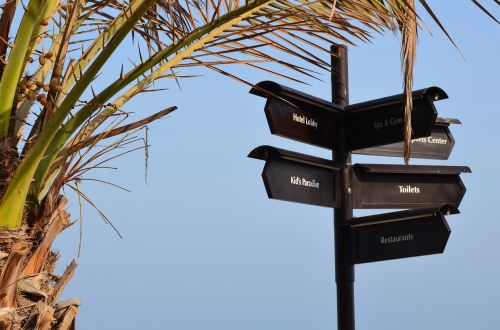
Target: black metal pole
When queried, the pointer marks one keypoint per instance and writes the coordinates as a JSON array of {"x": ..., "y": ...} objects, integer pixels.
[{"x": 344, "y": 268}]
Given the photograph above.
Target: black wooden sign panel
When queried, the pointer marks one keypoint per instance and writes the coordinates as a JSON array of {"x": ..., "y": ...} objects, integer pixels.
[
  {"x": 300, "y": 122},
  {"x": 406, "y": 190},
  {"x": 400, "y": 239},
  {"x": 381, "y": 124},
  {"x": 437, "y": 146},
  {"x": 301, "y": 183}
]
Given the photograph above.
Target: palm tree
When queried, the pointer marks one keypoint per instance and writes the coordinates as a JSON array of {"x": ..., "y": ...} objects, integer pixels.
[{"x": 54, "y": 127}]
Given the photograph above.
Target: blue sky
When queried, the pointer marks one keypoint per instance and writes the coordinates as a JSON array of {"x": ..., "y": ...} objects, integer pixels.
[{"x": 204, "y": 248}]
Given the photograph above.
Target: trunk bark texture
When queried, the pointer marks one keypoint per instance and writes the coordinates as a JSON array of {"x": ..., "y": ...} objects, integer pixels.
[{"x": 29, "y": 290}]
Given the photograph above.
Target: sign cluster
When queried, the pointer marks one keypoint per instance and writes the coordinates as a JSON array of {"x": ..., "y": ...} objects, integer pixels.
[{"x": 428, "y": 193}]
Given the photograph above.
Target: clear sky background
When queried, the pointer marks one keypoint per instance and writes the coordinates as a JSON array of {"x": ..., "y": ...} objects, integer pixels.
[{"x": 204, "y": 248}]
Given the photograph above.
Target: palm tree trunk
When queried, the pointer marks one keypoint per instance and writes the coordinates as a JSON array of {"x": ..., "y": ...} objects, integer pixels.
[{"x": 29, "y": 290}]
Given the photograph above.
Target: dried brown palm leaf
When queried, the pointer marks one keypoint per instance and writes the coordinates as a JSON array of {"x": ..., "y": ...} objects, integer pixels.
[
  {"x": 408, "y": 51},
  {"x": 9, "y": 9}
]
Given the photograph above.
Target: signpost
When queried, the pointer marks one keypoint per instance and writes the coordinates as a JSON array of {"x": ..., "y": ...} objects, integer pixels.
[{"x": 371, "y": 128}]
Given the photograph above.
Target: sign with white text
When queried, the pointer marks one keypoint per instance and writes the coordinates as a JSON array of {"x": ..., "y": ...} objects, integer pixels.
[
  {"x": 398, "y": 235},
  {"x": 380, "y": 122},
  {"x": 301, "y": 123},
  {"x": 295, "y": 177},
  {"x": 301, "y": 183},
  {"x": 436, "y": 146},
  {"x": 402, "y": 187}
]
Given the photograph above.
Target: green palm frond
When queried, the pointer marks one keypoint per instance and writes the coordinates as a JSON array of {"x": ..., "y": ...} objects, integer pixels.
[{"x": 46, "y": 96}]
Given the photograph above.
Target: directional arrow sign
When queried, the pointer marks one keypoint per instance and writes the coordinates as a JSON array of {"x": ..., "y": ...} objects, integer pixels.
[
  {"x": 400, "y": 234},
  {"x": 299, "y": 116},
  {"x": 306, "y": 125},
  {"x": 401, "y": 187},
  {"x": 381, "y": 121},
  {"x": 295, "y": 177},
  {"x": 436, "y": 146}
]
